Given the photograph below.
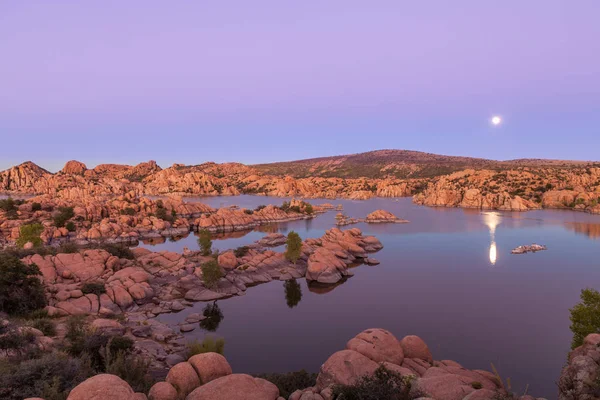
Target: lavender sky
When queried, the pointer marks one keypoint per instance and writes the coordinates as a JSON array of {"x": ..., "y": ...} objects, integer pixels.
[{"x": 260, "y": 81}]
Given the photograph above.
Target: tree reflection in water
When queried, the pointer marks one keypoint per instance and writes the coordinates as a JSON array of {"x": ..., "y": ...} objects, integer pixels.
[
  {"x": 293, "y": 293},
  {"x": 213, "y": 315}
]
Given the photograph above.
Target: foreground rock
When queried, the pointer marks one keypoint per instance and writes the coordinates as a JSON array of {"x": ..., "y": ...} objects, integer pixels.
[
  {"x": 209, "y": 377},
  {"x": 410, "y": 358},
  {"x": 578, "y": 379},
  {"x": 103, "y": 387},
  {"x": 236, "y": 387}
]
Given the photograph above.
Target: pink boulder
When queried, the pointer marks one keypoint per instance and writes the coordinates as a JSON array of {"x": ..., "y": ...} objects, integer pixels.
[{"x": 236, "y": 387}]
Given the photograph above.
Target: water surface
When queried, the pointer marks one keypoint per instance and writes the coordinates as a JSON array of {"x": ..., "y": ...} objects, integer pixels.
[{"x": 447, "y": 276}]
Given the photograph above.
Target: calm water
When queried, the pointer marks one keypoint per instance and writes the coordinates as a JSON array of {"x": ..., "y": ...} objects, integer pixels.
[{"x": 448, "y": 276}]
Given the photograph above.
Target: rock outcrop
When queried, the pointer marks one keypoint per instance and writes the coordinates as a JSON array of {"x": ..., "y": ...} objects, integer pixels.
[
  {"x": 579, "y": 378},
  {"x": 382, "y": 216}
]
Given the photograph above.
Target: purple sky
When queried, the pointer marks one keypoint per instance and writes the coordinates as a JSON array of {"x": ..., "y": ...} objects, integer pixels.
[{"x": 258, "y": 81}]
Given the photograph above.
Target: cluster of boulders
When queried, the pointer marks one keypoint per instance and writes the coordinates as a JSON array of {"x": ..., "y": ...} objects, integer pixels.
[
  {"x": 515, "y": 190},
  {"x": 118, "y": 283},
  {"x": 376, "y": 217},
  {"x": 209, "y": 376},
  {"x": 331, "y": 254},
  {"x": 382, "y": 216},
  {"x": 228, "y": 220}
]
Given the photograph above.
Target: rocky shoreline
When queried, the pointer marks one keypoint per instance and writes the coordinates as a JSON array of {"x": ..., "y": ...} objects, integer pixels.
[
  {"x": 103, "y": 286},
  {"x": 209, "y": 376}
]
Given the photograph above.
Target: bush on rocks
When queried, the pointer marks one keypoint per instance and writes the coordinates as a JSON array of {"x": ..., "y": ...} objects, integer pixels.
[
  {"x": 207, "y": 345},
  {"x": 50, "y": 377},
  {"x": 288, "y": 383},
  {"x": 96, "y": 288},
  {"x": 64, "y": 214},
  {"x": 585, "y": 316},
  {"x": 383, "y": 384},
  {"x": 293, "y": 248},
  {"x": 45, "y": 325},
  {"x": 30, "y": 233},
  {"x": 21, "y": 292},
  {"x": 211, "y": 273}
]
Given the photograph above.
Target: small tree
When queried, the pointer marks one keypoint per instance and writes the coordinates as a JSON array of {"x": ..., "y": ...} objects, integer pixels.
[
  {"x": 585, "y": 316},
  {"x": 211, "y": 273},
  {"x": 64, "y": 214},
  {"x": 21, "y": 291},
  {"x": 30, "y": 233},
  {"x": 204, "y": 242},
  {"x": 293, "y": 247}
]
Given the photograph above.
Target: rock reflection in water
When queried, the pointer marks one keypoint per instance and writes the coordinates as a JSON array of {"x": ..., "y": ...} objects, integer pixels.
[
  {"x": 323, "y": 288},
  {"x": 590, "y": 230}
]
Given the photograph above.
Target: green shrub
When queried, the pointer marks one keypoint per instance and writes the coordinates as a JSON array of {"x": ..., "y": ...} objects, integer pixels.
[
  {"x": 96, "y": 288},
  {"x": 205, "y": 242},
  {"x": 67, "y": 248},
  {"x": 70, "y": 226},
  {"x": 51, "y": 377},
  {"x": 293, "y": 248},
  {"x": 308, "y": 208},
  {"x": 9, "y": 206},
  {"x": 132, "y": 369},
  {"x": 30, "y": 233},
  {"x": 46, "y": 325},
  {"x": 76, "y": 328},
  {"x": 36, "y": 207},
  {"x": 13, "y": 340},
  {"x": 260, "y": 207},
  {"x": 161, "y": 213},
  {"x": 211, "y": 273},
  {"x": 249, "y": 212},
  {"x": 585, "y": 316},
  {"x": 289, "y": 382},
  {"x": 383, "y": 384},
  {"x": 21, "y": 292},
  {"x": 128, "y": 211},
  {"x": 207, "y": 345},
  {"x": 241, "y": 251},
  {"x": 64, "y": 214}
]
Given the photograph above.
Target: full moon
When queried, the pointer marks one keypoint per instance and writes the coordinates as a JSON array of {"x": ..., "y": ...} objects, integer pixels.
[{"x": 496, "y": 120}]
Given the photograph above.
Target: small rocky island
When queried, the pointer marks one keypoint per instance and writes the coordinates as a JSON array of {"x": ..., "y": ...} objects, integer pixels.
[{"x": 528, "y": 249}]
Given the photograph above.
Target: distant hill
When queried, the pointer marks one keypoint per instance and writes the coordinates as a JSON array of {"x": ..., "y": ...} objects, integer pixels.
[{"x": 397, "y": 164}]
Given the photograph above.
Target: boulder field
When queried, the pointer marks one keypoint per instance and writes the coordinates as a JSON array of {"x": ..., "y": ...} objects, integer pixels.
[
  {"x": 95, "y": 282},
  {"x": 129, "y": 218},
  {"x": 209, "y": 376}
]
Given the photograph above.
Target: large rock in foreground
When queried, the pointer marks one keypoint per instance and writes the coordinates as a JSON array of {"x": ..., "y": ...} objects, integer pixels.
[
  {"x": 344, "y": 368},
  {"x": 379, "y": 345},
  {"x": 236, "y": 387},
  {"x": 103, "y": 387}
]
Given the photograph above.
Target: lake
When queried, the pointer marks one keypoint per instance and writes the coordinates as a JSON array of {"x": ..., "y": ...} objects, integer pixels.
[{"x": 447, "y": 276}]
